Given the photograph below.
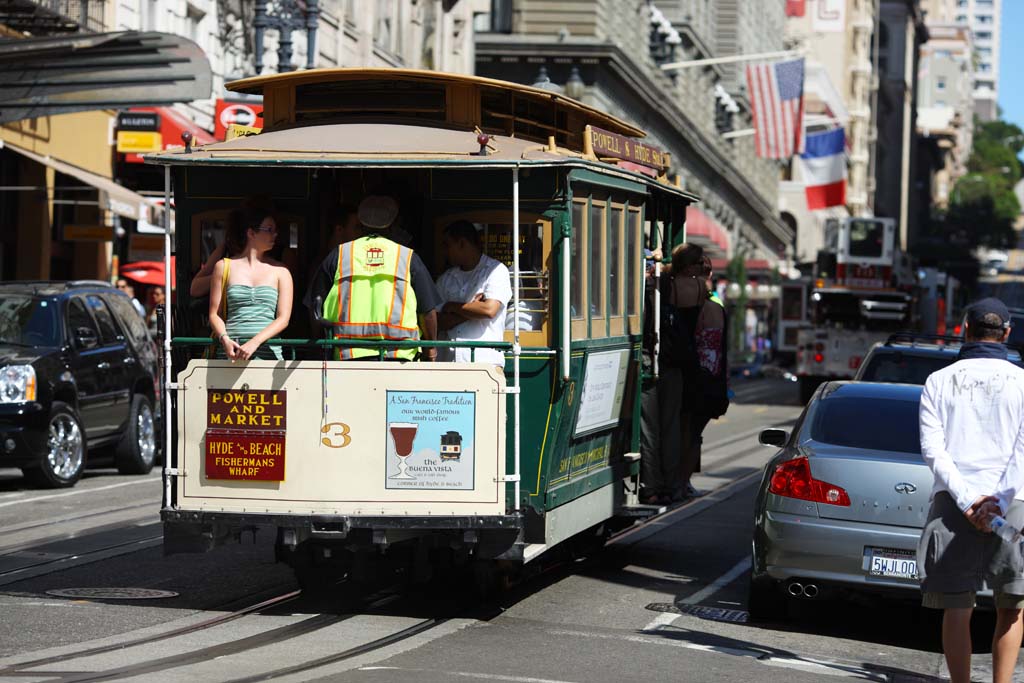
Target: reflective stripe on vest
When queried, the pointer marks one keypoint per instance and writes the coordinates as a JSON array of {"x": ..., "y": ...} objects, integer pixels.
[{"x": 373, "y": 297}]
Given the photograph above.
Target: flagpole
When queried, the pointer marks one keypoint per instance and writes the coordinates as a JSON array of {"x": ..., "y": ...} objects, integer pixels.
[{"x": 672, "y": 66}]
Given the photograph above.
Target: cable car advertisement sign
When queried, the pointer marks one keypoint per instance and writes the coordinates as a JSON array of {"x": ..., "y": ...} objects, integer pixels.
[
  {"x": 245, "y": 436},
  {"x": 342, "y": 438},
  {"x": 430, "y": 440}
]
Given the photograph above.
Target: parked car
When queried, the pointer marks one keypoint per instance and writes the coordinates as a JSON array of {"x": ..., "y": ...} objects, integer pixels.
[
  {"x": 78, "y": 372},
  {"x": 910, "y": 358},
  {"x": 842, "y": 504}
]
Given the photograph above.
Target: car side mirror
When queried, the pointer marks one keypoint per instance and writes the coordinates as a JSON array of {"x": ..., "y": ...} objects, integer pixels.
[
  {"x": 773, "y": 437},
  {"x": 85, "y": 338}
]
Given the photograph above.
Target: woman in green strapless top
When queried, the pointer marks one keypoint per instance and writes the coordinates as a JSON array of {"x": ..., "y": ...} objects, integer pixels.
[{"x": 251, "y": 293}]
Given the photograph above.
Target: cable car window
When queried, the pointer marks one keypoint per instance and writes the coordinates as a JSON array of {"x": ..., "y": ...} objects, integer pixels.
[
  {"x": 576, "y": 264},
  {"x": 634, "y": 263},
  {"x": 616, "y": 268},
  {"x": 598, "y": 271},
  {"x": 369, "y": 100},
  {"x": 867, "y": 238},
  {"x": 533, "y": 288}
]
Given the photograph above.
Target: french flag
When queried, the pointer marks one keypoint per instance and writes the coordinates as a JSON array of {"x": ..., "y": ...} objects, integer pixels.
[{"x": 824, "y": 165}]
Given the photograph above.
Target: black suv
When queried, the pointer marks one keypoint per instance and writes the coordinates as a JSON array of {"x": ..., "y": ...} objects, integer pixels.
[{"x": 78, "y": 372}]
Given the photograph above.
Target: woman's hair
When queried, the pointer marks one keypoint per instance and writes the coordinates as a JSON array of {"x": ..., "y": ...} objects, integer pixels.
[
  {"x": 242, "y": 220},
  {"x": 466, "y": 231},
  {"x": 687, "y": 259}
]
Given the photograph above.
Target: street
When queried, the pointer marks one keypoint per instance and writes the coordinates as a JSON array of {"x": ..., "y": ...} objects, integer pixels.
[{"x": 662, "y": 601}]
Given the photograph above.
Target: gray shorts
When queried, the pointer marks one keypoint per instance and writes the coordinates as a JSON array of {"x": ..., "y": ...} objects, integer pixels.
[{"x": 954, "y": 558}]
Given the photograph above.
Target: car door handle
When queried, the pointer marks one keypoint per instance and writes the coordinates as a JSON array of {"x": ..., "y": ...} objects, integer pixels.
[{"x": 103, "y": 366}]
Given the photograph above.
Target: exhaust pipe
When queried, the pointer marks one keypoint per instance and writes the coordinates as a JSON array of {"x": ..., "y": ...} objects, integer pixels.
[
  {"x": 810, "y": 591},
  {"x": 796, "y": 589}
]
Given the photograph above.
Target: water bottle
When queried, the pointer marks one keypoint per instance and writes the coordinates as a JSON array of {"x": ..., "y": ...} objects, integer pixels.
[{"x": 1004, "y": 530}]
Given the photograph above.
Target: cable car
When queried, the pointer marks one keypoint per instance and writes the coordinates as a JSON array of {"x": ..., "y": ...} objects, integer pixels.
[{"x": 359, "y": 456}]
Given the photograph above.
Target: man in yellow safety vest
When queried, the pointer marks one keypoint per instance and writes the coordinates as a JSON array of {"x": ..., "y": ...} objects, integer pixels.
[{"x": 375, "y": 289}]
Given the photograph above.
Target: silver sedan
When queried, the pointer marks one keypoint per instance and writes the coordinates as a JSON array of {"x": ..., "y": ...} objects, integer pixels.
[{"x": 842, "y": 504}]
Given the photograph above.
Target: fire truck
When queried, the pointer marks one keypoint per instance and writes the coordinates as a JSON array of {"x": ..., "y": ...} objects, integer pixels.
[{"x": 861, "y": 292}]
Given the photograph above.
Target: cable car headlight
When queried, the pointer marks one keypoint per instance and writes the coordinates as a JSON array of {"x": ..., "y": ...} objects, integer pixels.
[{"x": 17, "y": 384}]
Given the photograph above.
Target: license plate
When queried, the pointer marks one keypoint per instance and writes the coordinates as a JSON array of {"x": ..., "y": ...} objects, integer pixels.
[{"x": 890, "y": 563}]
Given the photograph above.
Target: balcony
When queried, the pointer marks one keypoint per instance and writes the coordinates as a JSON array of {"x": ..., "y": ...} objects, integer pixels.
[{"x": 52, "y": 17}]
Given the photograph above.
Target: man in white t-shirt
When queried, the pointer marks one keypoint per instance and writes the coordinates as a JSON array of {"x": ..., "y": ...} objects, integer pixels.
[{"x": 476, "y": 291}]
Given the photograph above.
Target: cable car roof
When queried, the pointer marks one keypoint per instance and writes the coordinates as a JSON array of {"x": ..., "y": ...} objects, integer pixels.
[{"x": 291, "y": 97}]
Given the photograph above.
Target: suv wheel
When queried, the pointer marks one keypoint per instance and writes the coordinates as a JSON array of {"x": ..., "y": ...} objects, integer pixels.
[
  {"x": 64, "y": 460},
  {"x": 136, "y": 452}
]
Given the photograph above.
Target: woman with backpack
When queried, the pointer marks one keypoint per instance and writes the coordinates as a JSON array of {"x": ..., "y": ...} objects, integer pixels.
[{"x": 693, "y": 369}]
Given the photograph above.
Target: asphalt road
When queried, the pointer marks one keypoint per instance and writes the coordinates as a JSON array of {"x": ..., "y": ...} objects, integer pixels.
[{"x": 664, "y": 602}]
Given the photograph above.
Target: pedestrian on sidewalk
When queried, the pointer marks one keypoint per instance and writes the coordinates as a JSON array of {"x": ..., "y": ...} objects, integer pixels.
[
  {"x": 972, "y": 438},
  {"x": 652, "y": 484}
]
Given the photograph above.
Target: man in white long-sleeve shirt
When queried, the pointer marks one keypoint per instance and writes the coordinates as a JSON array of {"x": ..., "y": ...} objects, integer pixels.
[{"x": 972, "y": 438}]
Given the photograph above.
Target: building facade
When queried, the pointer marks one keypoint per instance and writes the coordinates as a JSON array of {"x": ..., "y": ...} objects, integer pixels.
[
  {"x": 983, "y": 18},
  {"x": 608, "y": 53},
  {"x": 841, "y": 90},
  {"x": 901, "y": 33}
]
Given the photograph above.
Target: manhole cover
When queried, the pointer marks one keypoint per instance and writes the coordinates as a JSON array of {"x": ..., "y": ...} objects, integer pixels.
[
  {"x": 112, "y": 593},
  {"x": 734, "y": 616}
]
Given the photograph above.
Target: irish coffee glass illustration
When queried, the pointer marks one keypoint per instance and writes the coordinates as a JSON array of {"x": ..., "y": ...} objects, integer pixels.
[{"x": 402, "y": 435}]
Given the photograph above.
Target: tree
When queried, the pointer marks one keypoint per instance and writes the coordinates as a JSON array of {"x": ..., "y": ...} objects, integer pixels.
[{"x": 983, "y": 207}]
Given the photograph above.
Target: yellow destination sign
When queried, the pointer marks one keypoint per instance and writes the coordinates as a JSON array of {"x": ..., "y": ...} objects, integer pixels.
[{"x": 139, "y": 142}]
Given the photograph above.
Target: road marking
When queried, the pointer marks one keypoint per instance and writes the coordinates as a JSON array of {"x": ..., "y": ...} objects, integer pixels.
[
  {"x": 76, "y": 492},
  {"x": 668, "y": 618},
  {"x": 470, "y": 674},
  {"x": 760, "y": 654},
  {"x": 719, "y": 583}
]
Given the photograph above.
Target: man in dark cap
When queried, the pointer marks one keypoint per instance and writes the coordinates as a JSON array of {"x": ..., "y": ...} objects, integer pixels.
[{"x": 972, "y": 438}]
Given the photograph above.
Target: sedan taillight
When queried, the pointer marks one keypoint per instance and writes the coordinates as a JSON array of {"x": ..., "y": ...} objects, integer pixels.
[{"x": 792, "y": 479}]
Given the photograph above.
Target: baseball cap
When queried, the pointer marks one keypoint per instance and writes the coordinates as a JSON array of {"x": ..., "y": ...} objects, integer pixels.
[
  {"x": 990, "y": 305},
  {"x": 378, "y": 211}
]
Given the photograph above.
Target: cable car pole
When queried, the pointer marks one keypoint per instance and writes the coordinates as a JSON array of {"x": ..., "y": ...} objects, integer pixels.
[
  {"x": 515, "y": 326},
  {"x": 168, "y": 461}
]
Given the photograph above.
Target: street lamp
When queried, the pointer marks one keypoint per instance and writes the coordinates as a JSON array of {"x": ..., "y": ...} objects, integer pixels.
[
  {"x": 288, "y": 16},
  {"x": 575, "y": 87}
]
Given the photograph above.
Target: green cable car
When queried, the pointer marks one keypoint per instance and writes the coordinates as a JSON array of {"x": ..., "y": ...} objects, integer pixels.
[{"x": 344, "y": 459}]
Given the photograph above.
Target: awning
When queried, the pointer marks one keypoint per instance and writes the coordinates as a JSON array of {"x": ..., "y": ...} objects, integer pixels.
[
  {"x": 172, "y": 124},
  {"x": 705, "y": 231},
  {"x": 117, "y": 198},
  {"x": 147, "y": 272}
]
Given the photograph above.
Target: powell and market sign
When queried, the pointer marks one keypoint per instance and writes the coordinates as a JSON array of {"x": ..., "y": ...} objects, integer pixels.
[{"x": 608, "y": 144}]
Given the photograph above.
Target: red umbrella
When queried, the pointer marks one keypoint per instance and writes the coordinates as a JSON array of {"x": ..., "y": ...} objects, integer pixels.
[{"x": 147, "y": 272}]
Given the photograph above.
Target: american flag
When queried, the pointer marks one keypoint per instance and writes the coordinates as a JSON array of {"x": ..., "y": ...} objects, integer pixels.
[{"x": 777, "y": 99}]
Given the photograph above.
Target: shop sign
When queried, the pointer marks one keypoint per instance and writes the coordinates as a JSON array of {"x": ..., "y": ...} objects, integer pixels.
[
  {"x": 226, "y": 114},
  {"x": 138, "y": 121},
  {"x": 88, "y": 233},
  {"x": 146, "y": 248},
  {"x": 608, "y": 144},
  {"x": 430, "y": 440},
  {"x": 139, "y": 142},
  {"x": 245, "y": 435}
]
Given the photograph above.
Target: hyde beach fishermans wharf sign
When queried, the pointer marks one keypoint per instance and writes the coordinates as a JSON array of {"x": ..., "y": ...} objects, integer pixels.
[
  {"x": 245, "y": 434},
  {"x": 605, "y": 144}
]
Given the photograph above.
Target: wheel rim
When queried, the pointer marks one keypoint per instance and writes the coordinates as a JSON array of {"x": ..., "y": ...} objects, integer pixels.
[
  {"x": 146, "y": 434},
  {"x": 65, "y": 448}
]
